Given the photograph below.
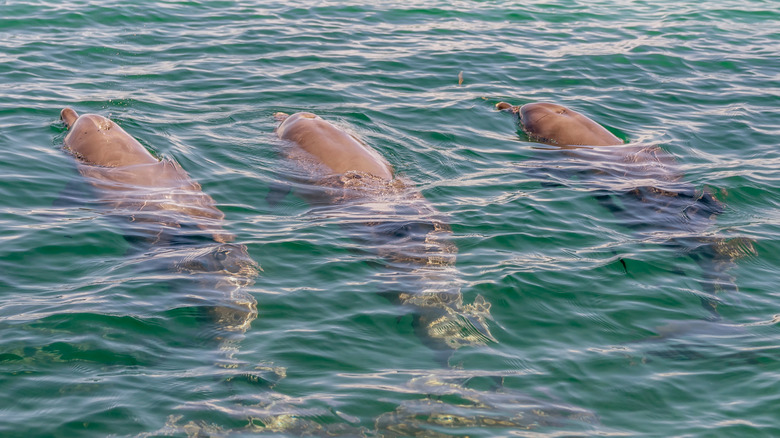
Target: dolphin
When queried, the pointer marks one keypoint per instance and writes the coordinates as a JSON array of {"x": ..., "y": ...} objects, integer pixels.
[
  {"x": 640, "y": 184},
  {"x": 395, "y": 221},
  {"x": 170, "y": 211}
]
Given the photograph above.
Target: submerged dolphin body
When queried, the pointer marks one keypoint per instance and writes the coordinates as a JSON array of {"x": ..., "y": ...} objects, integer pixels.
[
  {"x": 170, "y": 212},
  {"x": 396, "y": 222}
]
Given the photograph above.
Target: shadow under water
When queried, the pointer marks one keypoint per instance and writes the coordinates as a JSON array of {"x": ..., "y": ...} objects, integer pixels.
[
  {"x": 394, "y": 221},
  {"x": 438, "y": 404},
  {"x": 445, "y": 405},
  {"x": 175, "y": 228}
]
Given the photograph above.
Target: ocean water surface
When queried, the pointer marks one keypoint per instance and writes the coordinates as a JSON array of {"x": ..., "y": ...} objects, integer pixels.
[{"x": 620, "y": 302}]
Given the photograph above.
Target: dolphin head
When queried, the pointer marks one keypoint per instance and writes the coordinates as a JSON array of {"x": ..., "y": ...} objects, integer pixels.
[
  {"x": 96, "y": 140},
  {"x": 558, "y": 125}
]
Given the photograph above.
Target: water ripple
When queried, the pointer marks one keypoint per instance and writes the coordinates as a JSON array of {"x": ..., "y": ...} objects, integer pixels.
[{"x": 597, "y": 294}]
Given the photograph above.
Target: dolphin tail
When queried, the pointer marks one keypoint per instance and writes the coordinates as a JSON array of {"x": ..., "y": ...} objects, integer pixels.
[{"x": 69, "y": 116}]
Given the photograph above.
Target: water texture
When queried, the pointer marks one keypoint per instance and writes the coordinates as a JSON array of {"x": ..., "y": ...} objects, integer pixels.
[{"x": 613, "y": 312}]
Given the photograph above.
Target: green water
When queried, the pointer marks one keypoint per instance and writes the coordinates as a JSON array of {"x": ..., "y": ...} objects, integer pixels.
[{"x": 96, "y": 340}]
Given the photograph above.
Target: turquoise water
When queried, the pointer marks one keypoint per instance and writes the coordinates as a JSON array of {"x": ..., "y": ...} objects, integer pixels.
[{"x": 597, "y": 310}]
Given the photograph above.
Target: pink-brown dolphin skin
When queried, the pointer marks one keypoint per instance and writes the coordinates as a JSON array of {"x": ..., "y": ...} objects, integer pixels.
[
  {"x": 132, "y": 179},
  {"x": 557, "y": 125},
  {"x": 97, "y": 140},
  {"x": 332, "y": 146}
]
